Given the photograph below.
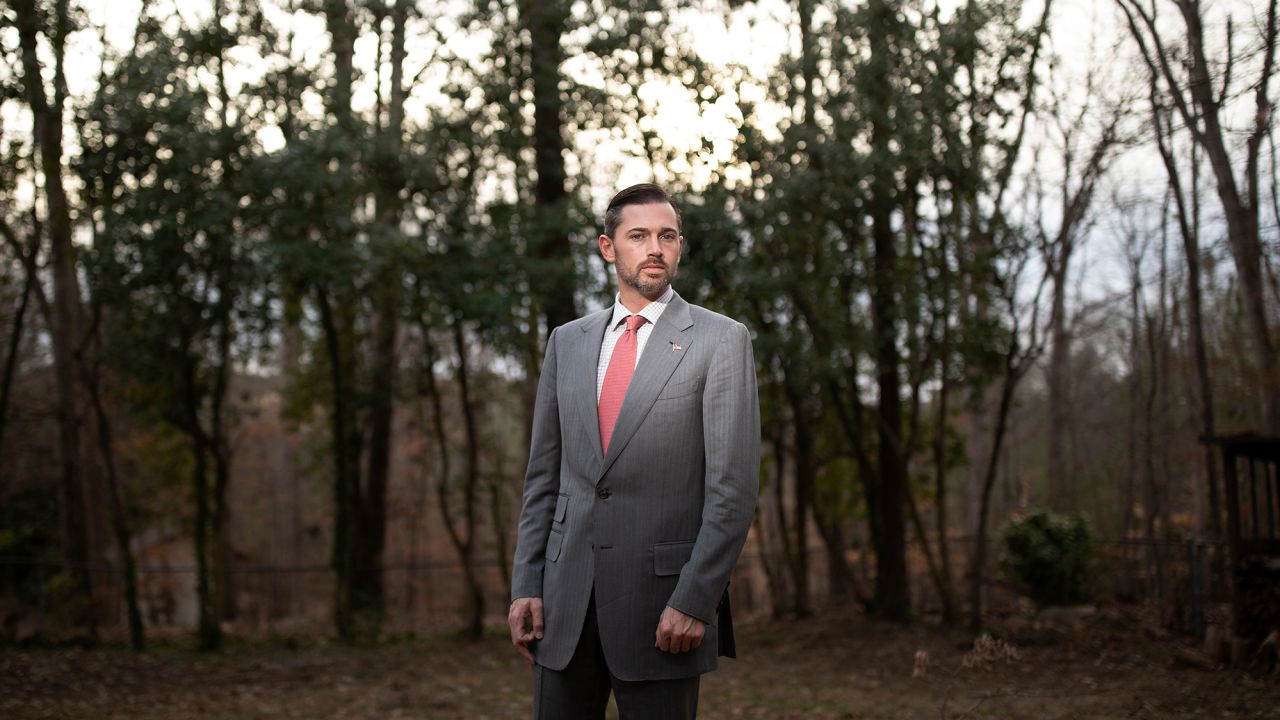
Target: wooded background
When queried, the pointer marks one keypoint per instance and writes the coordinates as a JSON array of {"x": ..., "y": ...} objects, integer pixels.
[{"x": 276, "y": 277}]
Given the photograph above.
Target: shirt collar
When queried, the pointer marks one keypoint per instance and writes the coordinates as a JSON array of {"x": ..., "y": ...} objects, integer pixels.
[{"x": 650, "y": 312}]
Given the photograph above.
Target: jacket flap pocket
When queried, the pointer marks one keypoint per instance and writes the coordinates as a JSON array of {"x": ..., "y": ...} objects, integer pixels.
[
  {"x": 554, "y": 541},
  {"x": 670, "y": 557},
  {"x": 681, "y": 388},
  {"x": 562, "y": 504}
]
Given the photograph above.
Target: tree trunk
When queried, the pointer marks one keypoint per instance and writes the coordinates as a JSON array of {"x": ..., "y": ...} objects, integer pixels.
[
  {"x": 1075, "y": 206},
  {"x": 1128, "y": 520},
  {"x": 805, "y": 475},
  {"x": 1151, "y": 493},
  {"x": 892, "y": 595},
  {"x": 781, "y": 591},
  {"x": 946, "y": 589},
  {"x": 475, "y": 604},
  {"x": 499, "y": 521},
  {"x": 1155, "y": 421},
  {"x": 291, "y": 346},
  {"x": 340, "y": 22},
  {"x": 773, "y": 575},
  {"x": 442, "y": 442},
  {"x": 11, "y": 353},
  {"x": 223, "y": 556},
  {"x": 840, "y": 579},
  {"x": 461, "y": 530},
  {"x": 119, "y": 514},
  {"x": 931, "y": 563},
  {"x": 851, "y": 422},
  {"x": 372, "y": 525},
  {"x": 66, "y": 329},
  {"x": 1140, "y": 456},
  {"x": 346, "y": 458},
  {"x": 337, "y": 315},
  {"x": 1012, "y": 374},
  {"x": 1059, "y": 475},
  {"x": 222, "y": 272},
  {"x": 1204, "y": 380},
  {"x": 1188, "y": 228},
  {"x": 209, "y": 630},
  {"x": 552, "y": 278}
]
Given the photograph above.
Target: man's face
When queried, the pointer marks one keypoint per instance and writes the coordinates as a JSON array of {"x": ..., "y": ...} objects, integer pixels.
[{"x": 645, "y": 249}]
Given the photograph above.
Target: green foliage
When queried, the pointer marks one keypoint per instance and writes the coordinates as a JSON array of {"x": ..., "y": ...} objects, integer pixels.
[
  {"x": 28, "y": 538},
  {"x": 31, "y": 567},
  {"x": 174, "y": 261},
  {"x": 1051, "y": 556},
  {"x": 837, "y": 488}
]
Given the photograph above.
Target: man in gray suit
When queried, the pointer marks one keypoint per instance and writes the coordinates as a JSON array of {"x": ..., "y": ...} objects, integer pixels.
[{"x": 641, "y": 485}]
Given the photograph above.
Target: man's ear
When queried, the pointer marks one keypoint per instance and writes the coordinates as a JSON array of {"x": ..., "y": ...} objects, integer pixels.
[{"x": 606, "y": 249}]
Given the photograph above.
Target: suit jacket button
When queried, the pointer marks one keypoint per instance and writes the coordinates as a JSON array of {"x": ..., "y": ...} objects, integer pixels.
[{"x": 605, "y": 493}]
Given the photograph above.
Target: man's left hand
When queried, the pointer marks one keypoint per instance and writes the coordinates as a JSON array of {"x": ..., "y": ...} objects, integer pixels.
[{"x": 678, "y": 632}]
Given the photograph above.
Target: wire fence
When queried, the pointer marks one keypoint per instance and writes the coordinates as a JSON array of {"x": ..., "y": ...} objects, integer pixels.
[{"x": 1184, "y": 581}]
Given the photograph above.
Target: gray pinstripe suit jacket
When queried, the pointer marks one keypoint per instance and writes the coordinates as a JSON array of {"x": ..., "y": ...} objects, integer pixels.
[{"x": 658, "y": 520}]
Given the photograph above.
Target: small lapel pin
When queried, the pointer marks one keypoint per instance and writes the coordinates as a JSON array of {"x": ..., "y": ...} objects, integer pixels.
[{"x": 676, "y": 346}]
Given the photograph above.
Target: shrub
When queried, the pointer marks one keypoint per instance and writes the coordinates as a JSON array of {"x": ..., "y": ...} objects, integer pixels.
[{"x": 1050, "y": 555}]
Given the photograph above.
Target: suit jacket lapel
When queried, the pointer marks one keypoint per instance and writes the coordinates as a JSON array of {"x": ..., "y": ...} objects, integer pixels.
[
  {"x": 583, "y": 377},
  {"x": 656, "y": 364}
]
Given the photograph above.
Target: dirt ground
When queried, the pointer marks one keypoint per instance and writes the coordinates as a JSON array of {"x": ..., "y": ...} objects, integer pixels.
[{"x": 840, "y": 665}]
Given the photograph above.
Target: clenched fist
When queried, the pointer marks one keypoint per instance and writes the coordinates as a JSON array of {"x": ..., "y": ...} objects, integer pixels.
[{"x": 678, "y": 632}]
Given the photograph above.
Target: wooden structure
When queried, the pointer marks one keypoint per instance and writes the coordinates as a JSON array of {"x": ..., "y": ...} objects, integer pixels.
[{"x": 1251, "y": 465}]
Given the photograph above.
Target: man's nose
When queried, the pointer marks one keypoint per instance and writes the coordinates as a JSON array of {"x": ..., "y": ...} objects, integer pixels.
[{"x": 653, "y": 246}]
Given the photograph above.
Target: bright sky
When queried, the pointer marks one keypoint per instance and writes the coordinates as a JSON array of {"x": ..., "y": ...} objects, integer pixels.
[{"x": 755, "y": 36}]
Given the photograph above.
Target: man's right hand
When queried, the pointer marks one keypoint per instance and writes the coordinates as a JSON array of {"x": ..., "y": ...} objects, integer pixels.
[{"x": 525, "y": 620}]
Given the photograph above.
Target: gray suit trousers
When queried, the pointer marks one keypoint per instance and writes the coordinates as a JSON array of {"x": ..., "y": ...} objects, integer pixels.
[{"x": 581, "y": 690}]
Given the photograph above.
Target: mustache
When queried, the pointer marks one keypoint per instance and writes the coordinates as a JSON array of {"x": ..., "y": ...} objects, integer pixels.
[{"x": 654, "y": 263}]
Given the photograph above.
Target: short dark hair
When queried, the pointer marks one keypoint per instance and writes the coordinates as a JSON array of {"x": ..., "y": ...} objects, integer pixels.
[{"x": 642, "y": 194}]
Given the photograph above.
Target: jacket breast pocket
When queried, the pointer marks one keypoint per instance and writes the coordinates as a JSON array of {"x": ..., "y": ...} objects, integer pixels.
[
  {"x": 680, "y": 389},
  {"x": 554, "y": 542},
  {"x": 669, "y": 557}
]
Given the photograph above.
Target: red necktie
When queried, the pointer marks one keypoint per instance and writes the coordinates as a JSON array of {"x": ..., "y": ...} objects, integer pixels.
[{"x": 622, "y": 364}]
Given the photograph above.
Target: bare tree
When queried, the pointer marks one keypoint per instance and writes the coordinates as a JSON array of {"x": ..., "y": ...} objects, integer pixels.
[
  {"x": 460, "y": 523},
  {"x": 1084, "y": 161},
  {"x": 1187, "y": 211},
  {"x": 1184, "y": 76},
  {"x": 1147, "y": 335},
  {"x": 1024, "y": 346}
]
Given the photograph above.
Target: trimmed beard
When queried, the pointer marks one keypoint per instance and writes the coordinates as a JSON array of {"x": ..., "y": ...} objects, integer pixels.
[{"x": 645, "y": 286}]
